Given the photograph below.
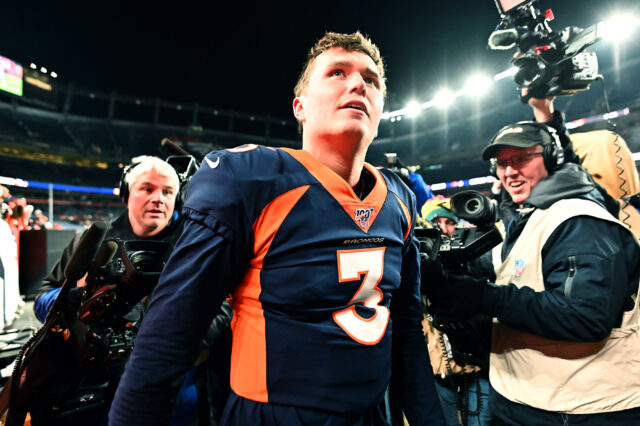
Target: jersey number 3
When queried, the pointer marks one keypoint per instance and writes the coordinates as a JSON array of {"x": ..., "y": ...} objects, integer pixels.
[{"x": 351, "y": 265}]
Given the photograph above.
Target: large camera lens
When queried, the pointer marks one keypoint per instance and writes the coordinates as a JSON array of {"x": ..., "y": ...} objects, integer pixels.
[
  {"x": 472, "y": 206},
  {"x": 146, "y": 261}
]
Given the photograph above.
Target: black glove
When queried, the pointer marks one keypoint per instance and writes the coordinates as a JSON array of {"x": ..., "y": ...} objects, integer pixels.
[{"x": 458, "y": 299}]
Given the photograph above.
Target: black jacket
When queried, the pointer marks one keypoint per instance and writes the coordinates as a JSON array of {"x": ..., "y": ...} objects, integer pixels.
[{"x": 603, "y": 259}]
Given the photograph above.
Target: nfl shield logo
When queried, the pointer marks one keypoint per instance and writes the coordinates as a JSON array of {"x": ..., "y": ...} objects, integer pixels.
[{"x": 517, "y": 270}]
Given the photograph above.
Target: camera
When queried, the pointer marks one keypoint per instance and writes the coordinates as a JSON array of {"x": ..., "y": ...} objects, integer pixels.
[
  {"x": 117, "y": 286},
  {"x": 465, "y": 244},
  {"x": 394, "y": 164},
  {"x": 75, "y": 361},
  {"x": 549, "y": 63},
  {"x": 470, "y": 339}
]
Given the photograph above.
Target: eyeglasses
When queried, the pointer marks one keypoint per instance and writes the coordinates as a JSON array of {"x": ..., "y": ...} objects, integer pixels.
[{"x": 516, "y": 161}]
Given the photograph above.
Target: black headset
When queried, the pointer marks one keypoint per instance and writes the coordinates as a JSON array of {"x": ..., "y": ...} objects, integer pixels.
[
  {"x": 123, "y": 185},
  {"x": 552, "y": 153},
  {"x": 124, "y": 188}
]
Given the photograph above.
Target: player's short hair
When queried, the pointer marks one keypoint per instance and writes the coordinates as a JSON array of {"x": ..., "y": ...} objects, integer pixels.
[
  {"x": 350, "y": 42},
  {"x": 145, "y": 163}
]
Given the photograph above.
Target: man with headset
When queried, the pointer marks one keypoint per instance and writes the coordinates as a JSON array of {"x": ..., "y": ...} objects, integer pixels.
[
  {"x": 149, "y": 187},
  {"x": 566, "y": 332}
]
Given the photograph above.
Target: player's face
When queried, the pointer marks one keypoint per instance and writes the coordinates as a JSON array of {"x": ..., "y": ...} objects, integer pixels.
[
  {"x": 151, "y": 201},
  {"x": 522, "y": 171},
  {"x": 344, "y": 95}
]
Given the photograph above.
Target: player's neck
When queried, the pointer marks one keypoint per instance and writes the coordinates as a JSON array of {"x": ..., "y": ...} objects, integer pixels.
[{"x": 345, "y": 160}]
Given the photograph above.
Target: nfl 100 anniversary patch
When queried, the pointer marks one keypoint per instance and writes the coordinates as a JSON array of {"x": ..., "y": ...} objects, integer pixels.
[{"x": 363, "y": 216}]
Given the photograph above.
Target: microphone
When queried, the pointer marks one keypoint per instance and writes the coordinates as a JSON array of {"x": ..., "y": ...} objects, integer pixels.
[
  {"x": 82, "y": 256},
  {"x": 104, "y": 256},
  {"x": 173, "y": 147},
  {"x": 503, "y": 39},
  {"x": 78, "y": 264}
]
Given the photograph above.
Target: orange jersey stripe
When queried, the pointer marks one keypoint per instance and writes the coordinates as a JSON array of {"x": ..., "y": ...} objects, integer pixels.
[
  {"x": 249, "y": 352},
  {"x": 405, "y": 209}
]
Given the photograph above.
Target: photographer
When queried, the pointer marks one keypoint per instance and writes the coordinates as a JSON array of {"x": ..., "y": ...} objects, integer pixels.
[
  {"x": 463, "y": 387},
  {"x": 563, "y": 300},
  {"x": 544, "y": 113},
  {"x": 149, "y": 187},
  {"x": 444, "y": 218},
  {"x": 603, "y": 153}
]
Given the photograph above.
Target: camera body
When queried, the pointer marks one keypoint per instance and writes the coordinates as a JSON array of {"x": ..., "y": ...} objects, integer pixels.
[
  {"x": 549, "y": 63},
  {"x": 465, "y": 244},
  {"x": 117, "y": 286},
  {"x": 85, "y": 368},
  {"x": 470, "y": 339},
  {"x": 394, "y": 164}
]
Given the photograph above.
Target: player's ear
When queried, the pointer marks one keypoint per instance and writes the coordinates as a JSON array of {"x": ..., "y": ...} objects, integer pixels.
[{"x": 298, "y": 108}]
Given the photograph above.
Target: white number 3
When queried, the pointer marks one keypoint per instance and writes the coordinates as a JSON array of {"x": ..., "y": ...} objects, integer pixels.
[{"x": 351, "y": 265}]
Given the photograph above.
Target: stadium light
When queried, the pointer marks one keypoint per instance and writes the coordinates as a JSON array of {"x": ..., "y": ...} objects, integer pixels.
[
  {"x": 43, "y": 70},
  {"x": 478, "y": 85},
  {"x": 413, "y": 109},
  {"x": 54, "y": 74},
  {"x": 444, "y": 98},
  {"x": 32, "y": 66},
  {"x": 504, "y": 74},
  {"x": 617, "y": 28},
  {"x": 620, "y": 27}
]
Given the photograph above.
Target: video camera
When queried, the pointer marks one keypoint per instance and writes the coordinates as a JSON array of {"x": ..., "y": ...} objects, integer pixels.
[
  {"x": 394, "y": 164},
  {"x": 73, "y": 363},
  {"x": 469, "y": 339},
  {"x": 465, "y": 244},
  {"x": 549, "y": 63},
  {"x": 124, "y": 281}
]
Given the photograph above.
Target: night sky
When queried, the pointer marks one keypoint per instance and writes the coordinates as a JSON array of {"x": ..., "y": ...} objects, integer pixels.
[{"x": 246, "y": 56}]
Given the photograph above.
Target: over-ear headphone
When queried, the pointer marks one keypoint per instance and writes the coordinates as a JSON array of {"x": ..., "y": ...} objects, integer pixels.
[
  {"x": 123, "y": 185},
  {"x": 552, "y": 153}
]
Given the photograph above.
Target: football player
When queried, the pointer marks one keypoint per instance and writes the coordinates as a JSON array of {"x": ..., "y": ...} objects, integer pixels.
[{"x": 316, "y": 249}]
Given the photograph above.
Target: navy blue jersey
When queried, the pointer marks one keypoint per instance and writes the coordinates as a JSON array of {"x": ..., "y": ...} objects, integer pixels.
[{"x": 318, "y": 280}]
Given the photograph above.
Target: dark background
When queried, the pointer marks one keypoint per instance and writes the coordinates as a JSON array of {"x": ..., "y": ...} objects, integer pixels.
[{"x": 246, "y": 56}]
